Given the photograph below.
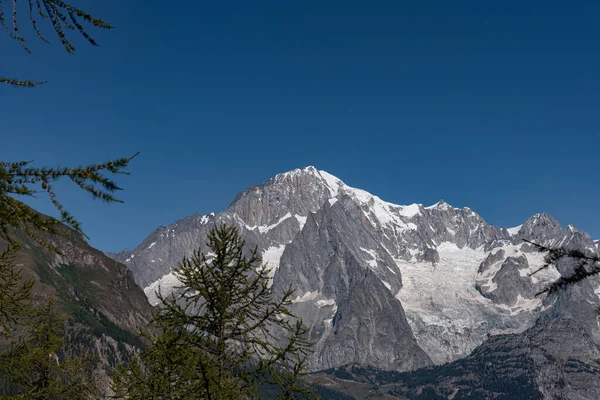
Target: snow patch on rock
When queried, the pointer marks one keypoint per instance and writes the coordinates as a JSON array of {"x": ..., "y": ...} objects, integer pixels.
[
  {"x": 308, "y": 296},
  {"x": 167, "y": 284},
  {"x": 270, "y": 258},
  {"x": 513, "y": 231}
]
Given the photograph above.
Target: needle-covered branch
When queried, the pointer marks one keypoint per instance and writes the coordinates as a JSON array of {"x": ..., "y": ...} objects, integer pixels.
[
  {"x": 585, "y": 266},
  {"x": 62, "y": 16},
  {"x": 21, "y": 179}
]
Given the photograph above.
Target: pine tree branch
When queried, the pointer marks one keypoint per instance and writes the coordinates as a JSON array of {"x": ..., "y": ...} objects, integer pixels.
[
  {"x": 62, "y": 16},
  {"x": 586, "y": 267},
  {"x": 19, "y": 179}
]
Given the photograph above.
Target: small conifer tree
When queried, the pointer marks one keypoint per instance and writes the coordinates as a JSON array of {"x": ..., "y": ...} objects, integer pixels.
[
  {"x": 222, "y": 333},
  {"x": 35, "y": 368}
]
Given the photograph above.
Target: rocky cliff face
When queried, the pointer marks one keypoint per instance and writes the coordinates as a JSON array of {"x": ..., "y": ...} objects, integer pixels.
[
  {"x": 380, "y": 284},
  {"x": 555, "y": 359},
  {"x": 105, "y": 306}
]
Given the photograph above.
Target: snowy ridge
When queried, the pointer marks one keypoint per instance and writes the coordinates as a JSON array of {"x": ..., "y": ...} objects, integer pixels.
[
  {"x": 457, "y": 278},
  {"x": 267, "y": 228},
  {"x": 384, "y": 211},
  {"x": 381, "y": 211},
  {"x": 515, "y": 230}
]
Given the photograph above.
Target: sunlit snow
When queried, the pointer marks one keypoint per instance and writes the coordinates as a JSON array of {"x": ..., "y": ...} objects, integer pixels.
[
  {"x": 301, "y": 220},
  {"x": 411, "y": 211},
  {"x": 266, "y": 228},
  {"x": 513, "y": 231},
  {"x": 373, "y": 261},
  {"x": 166, "y": 284},
  {"x": 306, "y": 297},
  {"x": 443, "y": 295},
  {"x": 332, "y": 182},
  {"x": 384, "y": 212},
  {"x": 270, "y": 258},
  {"x": 327, "y": 302}
]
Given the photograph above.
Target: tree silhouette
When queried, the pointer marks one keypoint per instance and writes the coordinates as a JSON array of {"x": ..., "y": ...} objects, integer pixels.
[{"x": 585, "y": 266}]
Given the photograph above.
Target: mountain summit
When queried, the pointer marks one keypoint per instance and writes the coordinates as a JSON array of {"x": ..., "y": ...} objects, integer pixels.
[{"x": 380, "y": 284}]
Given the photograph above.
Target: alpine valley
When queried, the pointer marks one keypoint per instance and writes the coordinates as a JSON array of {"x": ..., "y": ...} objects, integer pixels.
[{"x": 407, "y": 301}]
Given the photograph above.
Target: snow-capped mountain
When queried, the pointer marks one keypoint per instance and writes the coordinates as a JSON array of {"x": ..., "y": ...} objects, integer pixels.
[{"x": 396, "y": 287}]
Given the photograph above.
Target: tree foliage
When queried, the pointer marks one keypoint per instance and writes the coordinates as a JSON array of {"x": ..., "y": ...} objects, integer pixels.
[
  {"x": 32, "y": 368},
  {"x": 15, "y": 292},
  {"x": 62, "y": 16},
  {"x": 35, "y": 368},
  {"x": 21, "y": 179},
  {"x": 223, "y": 334}
]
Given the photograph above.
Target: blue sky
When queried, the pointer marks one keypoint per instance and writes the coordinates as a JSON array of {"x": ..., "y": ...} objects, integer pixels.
[{"x": 490, "y": 105}]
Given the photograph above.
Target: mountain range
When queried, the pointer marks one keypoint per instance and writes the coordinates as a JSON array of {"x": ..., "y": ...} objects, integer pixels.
[{"x": 403, "y": 288}]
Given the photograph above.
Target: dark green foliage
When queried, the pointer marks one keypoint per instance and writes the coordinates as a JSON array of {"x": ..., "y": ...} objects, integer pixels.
[
  {"x": 496, "y": 376},
  {"x": 343, "y": 374},
  {"x": 222, "y": 334},
  {"x": 32, "y": 363},
  {"x": 15, "y": 291},
  {"x": 62, "y": 16},
  {"x": 35, "y": 366},
  {"x": 428, "y": 393},
  {"x": 20, "y": 179},
  {"x": 80, "y": 307},
  {"x": 325, "y": 393}
]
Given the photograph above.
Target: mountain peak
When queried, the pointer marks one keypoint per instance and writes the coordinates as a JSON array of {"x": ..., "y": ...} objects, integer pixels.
[
  {"x": 540, "y": 226},
  {"x": 442, "y": 205},
  {"x": 310, "y": 170},
  {"x": 542, "y": 219},
  {"x": 350, "y": 253},
  {"x": 297, "y": 192}
]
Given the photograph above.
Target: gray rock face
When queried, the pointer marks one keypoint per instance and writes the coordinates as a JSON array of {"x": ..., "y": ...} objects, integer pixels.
[
  {"x": 579, "y": 302},
  {"x": 164, "y": 248},
  {"x": 565, "y": 361},
  {"x": 368, "y": 325},
  {"x": 512, "y": 282},
  {"x": 267, "y": 215},
  {"x": 429, "y": 255},
  {"x": 490, "y": 260},
  {"x": 335, "y": 239},
  {"x": 539, "y": 228},
  {"x": 382, "y": 284},
  {"x": 106, "y": 306},
  {"x": 369, "y": 328},
  {"x": 297, "y": 192},
  {"x": 555, "y": 359},
  {"x": 507, "y": 276}
]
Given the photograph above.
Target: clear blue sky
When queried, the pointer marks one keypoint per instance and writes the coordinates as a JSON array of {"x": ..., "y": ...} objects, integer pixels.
[{"x": 490, "y": 105}]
